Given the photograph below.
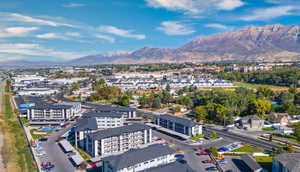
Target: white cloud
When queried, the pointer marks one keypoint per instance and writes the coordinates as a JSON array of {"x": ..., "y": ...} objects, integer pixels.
[
  {"x": 106, "y": 37},
  {"x": 121, "y": 32},
  {"x": 48, "y": 36},
  {"x": 195, "y": 6},
  {"x": 73, "y": 5},
  {"x": 216, "y": 26},
  {"x": 37, "y": 50},
  {"x": 73, "y": 34},
  {"x": 16, "y": 31},
  {"x": 175, "y": 28},
  {"x": 229, "y": 4},
  {"x": 28, "y": 19},
  {"x": 269, "y": 13}
]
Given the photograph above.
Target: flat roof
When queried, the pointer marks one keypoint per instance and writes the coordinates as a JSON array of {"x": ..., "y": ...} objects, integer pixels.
[
  {"x": 77, "y": 159},
  {"x": 66, "y": 145},
  {"x": 179, "y": 120}
]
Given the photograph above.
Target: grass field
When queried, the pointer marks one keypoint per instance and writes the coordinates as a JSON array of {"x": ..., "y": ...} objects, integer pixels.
[
  {"x": 265, "y": 162},
  {"x": 16, "y": 152},
  {"x": 254, "y": 86},
  {"x": 247, "y": 149}
]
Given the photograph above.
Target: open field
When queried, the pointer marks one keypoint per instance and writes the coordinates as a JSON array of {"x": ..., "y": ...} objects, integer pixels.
[
  {"x": 254, "y": 86},
  {"x": 16, "y": 152}
]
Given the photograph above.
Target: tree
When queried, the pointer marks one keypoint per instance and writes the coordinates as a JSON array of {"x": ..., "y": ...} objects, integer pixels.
[
  {"x": 259, "y": 107},
  {"x": 124, "y": 100},
  {"x": 213, "y": 150},
  {"x": 297, "y": 131},
  {"x": 201, "y": 112},
  {"x": 217, "y": 112},
  {"x": 168, "y": 87},
  {"x": 285, "y": 97},
  {"x": 213, "y": 134},
  {"x": 297, "y": 99},
  {"x": 156, "y": 102},
  {"x": 186, "y": 101},
  {"x": 290, "y": 108},
  {"x": 264, "y": 92},
  {"x": 75, "y": 86}
]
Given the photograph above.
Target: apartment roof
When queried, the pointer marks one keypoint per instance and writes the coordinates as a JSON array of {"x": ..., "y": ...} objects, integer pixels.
[
  {"x": 50, "y": 106},
  {"x": 110, "y": 108},
  {"x": 102, "y": 114},
  {"x": 136, "y": 156},
  {"x": 86, "y": 124},
  {"x": 289, "y": 160},
  {"x": 174, "y": 167},
  {"x": 252, "y": 117},
  {"x": 102, "y": 134},
  {"x": 251, "y": 163},
  {"x": 185, "y": 122}
]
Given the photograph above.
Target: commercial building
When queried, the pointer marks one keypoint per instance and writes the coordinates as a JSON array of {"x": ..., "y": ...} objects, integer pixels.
[
  {"x": 143, "y": 159},
  {"x": 252, "y": 122},
  {"x": 286, "y": 162},
  {"x": 92, "y": 122},
  {"x": 250, "y": 164},
  {"x": 180, "y": 125},
  {"x": 116, "y": 140}
]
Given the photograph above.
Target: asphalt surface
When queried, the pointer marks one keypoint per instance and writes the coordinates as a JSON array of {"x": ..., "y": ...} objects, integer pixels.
[
  {"x": 56, "y": 155},
  {"x": 237, "y": 137}
]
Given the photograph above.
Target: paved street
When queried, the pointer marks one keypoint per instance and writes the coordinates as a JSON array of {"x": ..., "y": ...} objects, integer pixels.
[{"x": 56, "y": 155}]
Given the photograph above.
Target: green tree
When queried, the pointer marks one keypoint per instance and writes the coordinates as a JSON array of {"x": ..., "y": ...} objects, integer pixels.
[
  {"x": 259, "y": 107},
  {"x": 157, "y": 102},
  {"x": 75, "y": 86},
  {"x": 186, "y": 101},
  {"x": 124, "y": 100},
  {"x": 213, "y": 150},
  {"x": 264, "y": 92},
  {"x": 201, "y": 112}
]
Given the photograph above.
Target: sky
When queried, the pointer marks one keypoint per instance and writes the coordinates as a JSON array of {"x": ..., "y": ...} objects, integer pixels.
[{"x": 62, "y": 30}]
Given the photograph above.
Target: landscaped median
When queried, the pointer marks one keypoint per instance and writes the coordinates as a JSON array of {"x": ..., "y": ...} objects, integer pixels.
[{"x": 16, "y": 150}]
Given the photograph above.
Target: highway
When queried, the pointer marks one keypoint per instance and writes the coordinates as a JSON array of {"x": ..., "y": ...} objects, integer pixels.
[{"x": 237, "y": 137}]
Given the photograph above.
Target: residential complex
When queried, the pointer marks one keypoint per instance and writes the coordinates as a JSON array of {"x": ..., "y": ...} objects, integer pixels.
[
  {"x": 128, "y": 113},
  {"x": 180, "y": 125},
  {"x": 286, "y": 162},
  {"x": 142, "y": 159},
  {"x": 119, "y": 139}
]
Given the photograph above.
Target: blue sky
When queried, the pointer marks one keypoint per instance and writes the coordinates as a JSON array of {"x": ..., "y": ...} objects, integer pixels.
[{"x": 60, "y": 30}]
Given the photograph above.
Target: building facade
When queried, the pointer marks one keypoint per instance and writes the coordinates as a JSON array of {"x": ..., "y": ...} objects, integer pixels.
[
  {"x": 180, "y": 125},
  {"x": 116, "y": 140},
  {"x": 286, "y": 162},
  {"x": 48, "y": 112},
  {"x": 136, "y": 160}
]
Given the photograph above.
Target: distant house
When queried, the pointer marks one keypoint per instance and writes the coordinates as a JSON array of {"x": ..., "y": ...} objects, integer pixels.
[
  {"x": 286, "y": 162},
  {"x": 252, "y": 122},
  {"x": 281, "y": 118},
  {"x": 250, "y": 164}
]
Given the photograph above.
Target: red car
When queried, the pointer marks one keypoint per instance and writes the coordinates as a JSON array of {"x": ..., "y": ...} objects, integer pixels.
[
  {"x": 159, "y": 139},
  {"x": 207, "y": 161},
  {"x": 202, "y": 153}
]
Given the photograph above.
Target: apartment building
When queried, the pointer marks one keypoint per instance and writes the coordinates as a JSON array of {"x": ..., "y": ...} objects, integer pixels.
[
  {"x": 128, "y": 113},
  {"x": 286, "y": 162},
  {"x": 180, "y": 125},
  {"x": 44, "y": 113},
  {"x": 142, "y": 159},
  {"x": 119, "y": 139},
  {"x": 36, "y": 91},
  {"x": 76, "y": 107},
  {"x": 92, "y": 122}
]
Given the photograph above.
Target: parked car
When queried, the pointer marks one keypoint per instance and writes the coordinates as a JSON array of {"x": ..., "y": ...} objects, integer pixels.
[
  {"x": 211, "y": 168},
  {"x": 207, "y": 161},
  {"x": 207, "y": 137},
  {"x": 222, "y": 162},
  {"x": 202, "y": 153}
]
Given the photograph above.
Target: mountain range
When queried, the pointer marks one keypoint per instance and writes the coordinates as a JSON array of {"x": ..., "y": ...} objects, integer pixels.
[{"x": 250, "y": 44}]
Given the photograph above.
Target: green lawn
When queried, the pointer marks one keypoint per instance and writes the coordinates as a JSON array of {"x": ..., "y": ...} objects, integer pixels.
[
  {"x": 36, "y": 136},
  {"x": 247, "y": 149},
  {"x": 197, "y": 136},
  {"x": 265, "y": 162},
  {"x": 289, "y": 138},
  {"x": 253, "y": 86},
  {"x": 269, "y": 129}
]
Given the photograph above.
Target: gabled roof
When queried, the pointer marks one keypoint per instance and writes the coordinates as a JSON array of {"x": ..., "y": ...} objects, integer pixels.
[
  {"x": 172, "y": 167},
  {"x": 102, "y": 114},
  {"x": 86, "y": 124},
  {"x": 251, "y": 163},
  {"x": 185, "y": 122},
  {"x": 136, "y": 156},
  {"x": 251, "y": 117},
  {"x": 289, "y": 160},
  {"x": 102, "y": 134}
]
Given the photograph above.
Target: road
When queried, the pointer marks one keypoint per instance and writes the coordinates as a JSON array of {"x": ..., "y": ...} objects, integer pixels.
[
  {"x": 55, "y": 153},
  {"x": 1, "y": 134},
  {"x": 237, "y": 137}
]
